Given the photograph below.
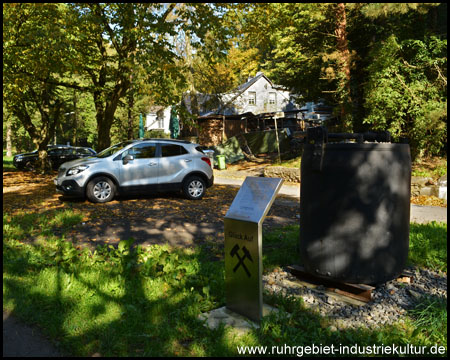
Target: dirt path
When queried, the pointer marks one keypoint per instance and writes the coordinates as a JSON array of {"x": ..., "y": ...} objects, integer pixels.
[
  {"x": 20, "y": 340},
  {"x": 171, "y": 219}
]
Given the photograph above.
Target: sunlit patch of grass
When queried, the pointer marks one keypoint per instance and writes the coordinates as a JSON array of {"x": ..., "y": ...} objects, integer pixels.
[
  {"x": 433, "y": 167},
  {"x": 8, "y": 162},
  {"x": 120, "y": 301},
  {"x": 428, "y": 245},
  {"x": 430, "y": 319},
  {"x": 291, "y": 163}
]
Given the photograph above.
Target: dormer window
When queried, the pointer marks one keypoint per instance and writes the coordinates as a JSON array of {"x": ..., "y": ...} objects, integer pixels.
[{"x": 252, "y": 97}]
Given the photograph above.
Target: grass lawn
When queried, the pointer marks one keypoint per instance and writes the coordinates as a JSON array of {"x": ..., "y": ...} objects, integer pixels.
[
  {"x": 122, "y": 301},
  {"x": 145, "y": 302},
  {"x": 8, "y": 161}
]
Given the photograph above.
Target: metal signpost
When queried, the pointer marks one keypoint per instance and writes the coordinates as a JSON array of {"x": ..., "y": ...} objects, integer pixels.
[{"x": 243, "y": 245}]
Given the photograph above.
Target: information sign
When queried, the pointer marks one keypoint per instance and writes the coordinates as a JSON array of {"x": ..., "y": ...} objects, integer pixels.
[{"x": 243, "y": 245}]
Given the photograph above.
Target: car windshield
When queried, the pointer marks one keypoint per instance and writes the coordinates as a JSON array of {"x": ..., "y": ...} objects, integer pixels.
[{"x": 113, "y": 149}]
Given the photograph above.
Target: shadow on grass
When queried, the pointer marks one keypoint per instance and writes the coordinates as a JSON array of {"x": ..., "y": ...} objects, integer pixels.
[
  {"x": 113, "y": 311},
  {"x": 123, "y": 302},
  {"x": 145, "y": 302},
  {"x": 113, "y": 301}
]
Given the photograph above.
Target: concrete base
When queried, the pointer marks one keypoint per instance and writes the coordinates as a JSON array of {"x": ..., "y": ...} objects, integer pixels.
[{"x": 239, "y": 324}]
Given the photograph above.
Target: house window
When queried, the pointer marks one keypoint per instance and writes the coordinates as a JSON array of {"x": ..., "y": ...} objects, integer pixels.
[
  {"x": 272, "y": 98},
  {"x": 252, "y": 98},
  {"x": 160, "y": 122},
  {"x": 160, "y": 119}
]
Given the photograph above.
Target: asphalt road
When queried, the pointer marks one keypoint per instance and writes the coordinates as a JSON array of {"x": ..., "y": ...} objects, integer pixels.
[{"x": 419, "y": 214}]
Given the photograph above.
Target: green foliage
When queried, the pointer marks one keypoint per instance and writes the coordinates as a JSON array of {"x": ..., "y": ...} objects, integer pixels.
[
  {"x": 397, "y": 53},
  {"x": 434, "y": 167},
  {"x": 7, "y": 162},
  {"x": 397, "y": 56},
  {"x": 406, "y": 92},
  {"x": 293, "y": 43},
  {"x": 110, "y": 51},
  {"x": 158, "y": 134},
  {"x": 35, "y": 55}
]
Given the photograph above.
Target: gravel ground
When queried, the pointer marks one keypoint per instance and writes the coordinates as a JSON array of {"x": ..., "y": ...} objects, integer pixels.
[{"x": 390, "y": 301}]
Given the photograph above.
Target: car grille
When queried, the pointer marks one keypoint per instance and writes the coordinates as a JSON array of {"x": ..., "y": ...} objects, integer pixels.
[{"x": 61, "y": 171}]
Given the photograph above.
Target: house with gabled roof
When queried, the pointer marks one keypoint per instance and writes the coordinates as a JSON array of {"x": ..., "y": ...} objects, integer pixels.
[
  {"x": 258, "y": 99},
  {"x": 251, "y": 106},
  {"x": 258, "y": 95}
]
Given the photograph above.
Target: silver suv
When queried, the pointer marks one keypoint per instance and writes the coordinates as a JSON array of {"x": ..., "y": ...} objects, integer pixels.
[{"x": 138, "y": 166}]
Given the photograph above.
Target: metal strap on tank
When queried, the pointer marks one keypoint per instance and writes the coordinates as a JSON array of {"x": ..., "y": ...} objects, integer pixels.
[
  {"x": 378, "y": 136},
  {"x": 320, "y": 136}
]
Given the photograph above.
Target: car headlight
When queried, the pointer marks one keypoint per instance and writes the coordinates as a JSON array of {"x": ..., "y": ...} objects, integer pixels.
[{"x": 76, "y": 170}]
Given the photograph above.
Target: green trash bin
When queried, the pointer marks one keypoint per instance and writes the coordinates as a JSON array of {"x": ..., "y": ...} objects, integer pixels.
[{"x": 221, "y": 162}]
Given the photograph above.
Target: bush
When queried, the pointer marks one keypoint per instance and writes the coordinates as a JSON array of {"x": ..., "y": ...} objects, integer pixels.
[
  {"x": 157, "y": 134},
  {"x": 406, "y": 93}
]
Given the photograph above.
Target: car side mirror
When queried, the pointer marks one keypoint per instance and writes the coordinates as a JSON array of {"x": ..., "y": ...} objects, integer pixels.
[{"x": 127, "y": 159}]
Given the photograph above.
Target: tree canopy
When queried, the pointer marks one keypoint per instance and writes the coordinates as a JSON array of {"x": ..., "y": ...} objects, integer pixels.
[
  {"x": 89, "y": 71},
  {"x": 384, "y": 66}
]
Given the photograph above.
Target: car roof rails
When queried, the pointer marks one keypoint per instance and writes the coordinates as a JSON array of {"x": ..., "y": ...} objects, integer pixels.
[{"x": 168, "y": 140}]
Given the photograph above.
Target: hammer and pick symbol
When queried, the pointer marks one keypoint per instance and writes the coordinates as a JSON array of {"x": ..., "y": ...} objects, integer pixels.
[{"x": 235, "y": 252}]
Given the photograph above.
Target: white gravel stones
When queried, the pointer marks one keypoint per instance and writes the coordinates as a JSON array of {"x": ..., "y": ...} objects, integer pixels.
[{"x": 390, "y": 301}]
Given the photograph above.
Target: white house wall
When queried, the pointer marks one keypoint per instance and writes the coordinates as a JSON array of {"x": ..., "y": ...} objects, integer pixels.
[
  {"x": 263, "y": 88},
  {"x": 152, "y": 123}
]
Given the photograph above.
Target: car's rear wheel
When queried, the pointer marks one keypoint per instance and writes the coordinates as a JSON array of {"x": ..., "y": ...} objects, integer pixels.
[
  {"x": 100, "y": 189},
  {"x": 29, "y": 166},
  {"x": 194, "y": 188}
]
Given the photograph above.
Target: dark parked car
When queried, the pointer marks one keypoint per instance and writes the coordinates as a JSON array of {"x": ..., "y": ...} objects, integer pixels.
[{"x": 57, "y": 155}]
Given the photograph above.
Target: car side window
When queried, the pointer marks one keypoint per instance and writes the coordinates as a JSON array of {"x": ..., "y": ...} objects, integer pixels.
[
  {"x": 83, "y": 152},
  {"x": 54, "y": 152},
  {"x": 172, "y": 150},
  {"x": 142, "y": 151}
]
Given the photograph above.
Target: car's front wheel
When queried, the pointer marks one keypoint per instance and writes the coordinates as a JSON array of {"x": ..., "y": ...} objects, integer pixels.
[
  {"x": 194, "y": 188},
  {"x": 100, "y": 189}
]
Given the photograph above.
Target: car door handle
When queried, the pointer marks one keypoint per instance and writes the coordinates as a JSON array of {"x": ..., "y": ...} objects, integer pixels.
[
  {"x": 188, "y": 160},
  {"x": 152, "y": 164}
]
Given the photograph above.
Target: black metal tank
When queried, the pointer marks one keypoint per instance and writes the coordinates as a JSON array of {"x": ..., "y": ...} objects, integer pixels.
[{"x": 354, "y": 207}]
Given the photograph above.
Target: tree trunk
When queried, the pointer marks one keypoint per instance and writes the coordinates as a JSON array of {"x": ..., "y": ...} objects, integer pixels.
[
  {"x": 41, "y": 137},
  {"x": 192, "y": 91},
  {"x": 343, "y": 66},
  {"x": 103, "y": 130},
  {"x": 75, "y": 119},
  {"x": 105, "y": 120},
  {"x": 44, "y": 164},
  {"x": 105, "y": 113},
  {"x": 130, "y": 115},
  {"x": 8, "y": 138}
]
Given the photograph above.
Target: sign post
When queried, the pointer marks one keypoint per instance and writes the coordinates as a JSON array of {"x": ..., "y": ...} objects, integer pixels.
[{"x": 243, "y": 245}]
